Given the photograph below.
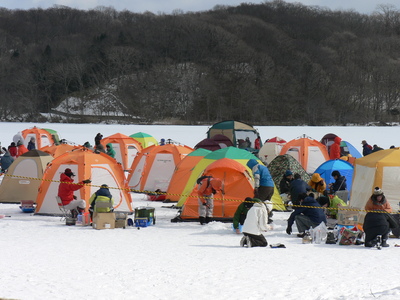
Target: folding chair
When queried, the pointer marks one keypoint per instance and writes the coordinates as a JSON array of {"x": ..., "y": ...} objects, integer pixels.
[{"x": 65, "y": 211}]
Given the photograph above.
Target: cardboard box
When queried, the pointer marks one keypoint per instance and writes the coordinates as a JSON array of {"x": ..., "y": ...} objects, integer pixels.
[
  {"x": 120, "y": 223},
  {"x": 348, "y": 217},
  {"x": 103, "y": 220}
]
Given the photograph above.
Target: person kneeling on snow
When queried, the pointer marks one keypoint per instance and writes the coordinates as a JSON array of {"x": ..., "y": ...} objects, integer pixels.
[
  {"x": 379, "y": 222},
  {"x": 101, "y": 201},
  {"x": 306, "y": 216},
  {"x": 256, "y": 222},
  {"x": 66, "y": 192}
]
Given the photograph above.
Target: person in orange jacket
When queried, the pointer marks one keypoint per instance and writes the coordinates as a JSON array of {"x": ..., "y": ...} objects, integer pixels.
[
  {"x": 317, "y": 183},
  {"x": 208, "y": 186},
  {"x": 334, "y": 152},
  {"x": 21, "y": 148}
]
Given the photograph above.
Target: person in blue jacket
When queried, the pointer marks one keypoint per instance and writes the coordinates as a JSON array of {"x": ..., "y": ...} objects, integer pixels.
[
  {"x": 306, "y": 217},
  {"x": 263, "y": 184}
]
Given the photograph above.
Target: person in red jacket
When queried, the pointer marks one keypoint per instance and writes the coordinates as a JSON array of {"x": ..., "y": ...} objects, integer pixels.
[
  {"x": 208, "y": 186},
  {"x": 335, "y": 149},
  {"x": 21, "y": 148},
  {"x": 66, "y": 192},
  {"x": 13, "y": 150}
]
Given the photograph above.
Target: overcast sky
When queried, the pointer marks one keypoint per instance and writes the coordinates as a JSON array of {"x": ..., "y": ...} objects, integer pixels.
[{"x": 167, "y": 6}]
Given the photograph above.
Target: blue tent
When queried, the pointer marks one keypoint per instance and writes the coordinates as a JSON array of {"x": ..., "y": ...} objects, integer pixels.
[
  {"x": 345, "y": 168},
  {"x": 347, "y": 148}
]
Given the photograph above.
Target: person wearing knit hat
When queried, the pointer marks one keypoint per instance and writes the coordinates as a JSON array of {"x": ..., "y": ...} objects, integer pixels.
[
  {"x": 284, "y": 184},
  {"x": 66, "y": 192},
  {"x": 377, "y": 223}
]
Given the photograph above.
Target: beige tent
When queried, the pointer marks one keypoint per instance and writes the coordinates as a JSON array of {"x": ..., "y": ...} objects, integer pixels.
[{"x": 30, "y": 166}]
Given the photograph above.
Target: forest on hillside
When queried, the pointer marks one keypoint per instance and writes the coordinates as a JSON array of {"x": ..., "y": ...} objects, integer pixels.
[{"x": 274, "y": 63}]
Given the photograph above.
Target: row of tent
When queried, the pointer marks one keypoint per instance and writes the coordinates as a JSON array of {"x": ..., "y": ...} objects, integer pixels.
[{"x": 170, "y": 168}]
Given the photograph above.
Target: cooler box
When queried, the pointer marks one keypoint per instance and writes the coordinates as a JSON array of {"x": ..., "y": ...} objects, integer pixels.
[
  {"x": 121, "y": 219},
  {"x": 143, "y": 222},
  {"x": 145, "y": 212}
]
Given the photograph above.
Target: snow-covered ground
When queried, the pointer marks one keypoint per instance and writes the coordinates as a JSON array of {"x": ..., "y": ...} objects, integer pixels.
[{"x": 44, "y": 259}]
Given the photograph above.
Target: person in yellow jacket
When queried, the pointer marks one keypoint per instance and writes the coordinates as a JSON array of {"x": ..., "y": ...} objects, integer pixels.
[
  {"x": 101, "y": 195},
  {"x": 317, "y": 183}
]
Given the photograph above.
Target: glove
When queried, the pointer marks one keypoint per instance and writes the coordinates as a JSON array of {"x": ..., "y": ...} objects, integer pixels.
[
  {"x": 237, "y": 230},
  {"x": 87, "y": 181},
  {"x": 289, "y": 230}
]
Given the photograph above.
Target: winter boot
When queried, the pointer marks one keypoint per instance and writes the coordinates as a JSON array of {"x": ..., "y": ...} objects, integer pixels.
[
  {"x": 208, "y": 219},
  {"x": 243, "y": 241},
  {"x": 74, "y": 213},
  {"x": 202, "y": 220},
  {"x": 384, "y": 240}
]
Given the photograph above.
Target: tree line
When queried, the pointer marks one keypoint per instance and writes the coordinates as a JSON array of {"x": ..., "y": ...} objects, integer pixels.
[{"x": 273, "y": 63}]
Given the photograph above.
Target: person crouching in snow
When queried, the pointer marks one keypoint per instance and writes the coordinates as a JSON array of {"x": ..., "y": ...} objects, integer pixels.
[
  {"x": 66, "y": 192},
  {"x": 207, "y": 188},
  {"x": 310, "y": 214},
  {"x": 255, "y": 224},
  {"x": 377, "y": 223},
  {"x": 241, "y": 213}
]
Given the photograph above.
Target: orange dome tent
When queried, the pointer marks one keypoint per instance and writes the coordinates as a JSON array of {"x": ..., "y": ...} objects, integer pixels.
[
  {"x": 100, "y": 168},
  {"x": 125, "y": 148},
  {"x": 308, "y": 152}
]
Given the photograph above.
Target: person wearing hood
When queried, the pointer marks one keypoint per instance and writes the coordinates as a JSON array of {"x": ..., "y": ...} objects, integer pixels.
[
  {"x": 263, "y": 184},
  {"x": 334, "y": 152},
  {"x": 21, "y": 148},
  {"x": 377, "y": 223},
  {"x": 101, "y": 195},
  {"x": 297, "y": 187},
  {"x": 308, "y": 215},
  {"x": 207, "y": 187},
  {"x": 109, "y": 150},
  {"x": 66, "y": 192},
  {"x": 339, "y": 184},
  {"x": 97, "y": 139},
  {"x": 317, "y": 183},
  {"x": 13, "y": 150},
  {"x": 255, "y": 224},
  {"x": 6, "y": 160},
  {"x": 367, "y": 149}
]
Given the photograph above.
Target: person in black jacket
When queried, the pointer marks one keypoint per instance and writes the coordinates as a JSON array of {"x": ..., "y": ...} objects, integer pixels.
[
  {"x": 284, "y": 184},
  {"x": 306, "y": 217},
  {"x": 339, "y": 184},
  {"x": 298, "y": 186}
]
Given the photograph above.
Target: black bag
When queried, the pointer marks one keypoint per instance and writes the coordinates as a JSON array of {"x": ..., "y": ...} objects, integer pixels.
[{"x": 394, "y": 223}]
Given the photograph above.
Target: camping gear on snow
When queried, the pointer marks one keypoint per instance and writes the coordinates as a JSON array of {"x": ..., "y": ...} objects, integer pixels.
[
  {"x": 153, "y": 167},
  {"x": 144, "y": 216},
  {"x": 144, "y": 139},
  {"x": 271, "y": 149},
  {"x": 121, "y": 220},
  {"x": 125, "y": 148},
  {"x": 236, "y": 132},
  {"x": 348, "y": 235},
  {"x": 308, "y": 152},
  {"x": 24, "y": 176},
  {"x": 27, "y": 206},
  {"x": 347, "y": 216},
  {"x": 4, "y": 216},
  {"x": 103, "y": 220},
  {"x": 100, "y": 168}
]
